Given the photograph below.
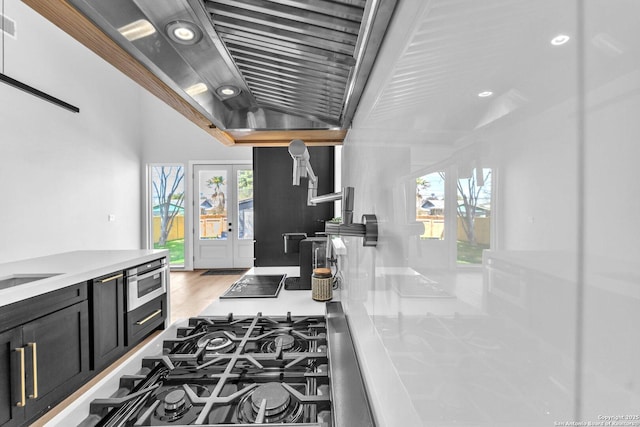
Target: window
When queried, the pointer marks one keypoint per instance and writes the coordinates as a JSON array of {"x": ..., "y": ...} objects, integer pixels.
[
  {"x": 473, "y": 215},
  {"x": 430, "y": 204},
  {"x": 214, "y": 220},
  {"x": 245, "y": 204},
  {"x": 471, "y": 225},
  {"x": 167, "y": 210}
]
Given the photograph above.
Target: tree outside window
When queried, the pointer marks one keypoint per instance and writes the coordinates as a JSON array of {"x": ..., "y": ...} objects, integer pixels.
[
  {"x": 473, "y": 211},
  {"x": 167, "y": 201},
  {"x": 474, "y": 215}
]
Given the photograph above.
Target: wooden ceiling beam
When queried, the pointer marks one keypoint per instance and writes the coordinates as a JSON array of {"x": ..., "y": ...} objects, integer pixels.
[{"x": 278, "y": 138}]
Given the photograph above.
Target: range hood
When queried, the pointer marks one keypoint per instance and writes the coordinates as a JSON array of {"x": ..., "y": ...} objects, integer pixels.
[{"x": 257, "y": 72}]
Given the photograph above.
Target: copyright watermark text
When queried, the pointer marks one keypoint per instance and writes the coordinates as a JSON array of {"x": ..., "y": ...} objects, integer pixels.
[{"x": 631, "y": 420}]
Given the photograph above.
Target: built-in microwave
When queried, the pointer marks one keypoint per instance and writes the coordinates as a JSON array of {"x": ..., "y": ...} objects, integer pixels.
[{"x": 146, "y": 282}]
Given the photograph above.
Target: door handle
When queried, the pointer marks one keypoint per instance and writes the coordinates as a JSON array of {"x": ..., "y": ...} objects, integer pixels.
[
  {"x": 34, "y": 358},
  {"x": 23, "y": 399}
]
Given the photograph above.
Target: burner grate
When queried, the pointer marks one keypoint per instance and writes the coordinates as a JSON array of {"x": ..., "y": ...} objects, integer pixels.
[{"x": 226, "y": 370}]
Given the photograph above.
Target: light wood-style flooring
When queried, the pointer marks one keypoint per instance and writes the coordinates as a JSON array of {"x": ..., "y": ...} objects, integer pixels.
[{"x": 191, "y": 292}]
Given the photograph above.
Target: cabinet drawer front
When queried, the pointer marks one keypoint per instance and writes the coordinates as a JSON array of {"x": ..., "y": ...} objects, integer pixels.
[
  {"x": 30, "y": 309},
  {"x": 145, "y": 319}
]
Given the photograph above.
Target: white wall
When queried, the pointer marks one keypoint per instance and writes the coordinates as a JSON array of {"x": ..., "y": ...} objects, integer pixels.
[
  {"x": 611, "y": 250},
  {"x": 61, "y": 173},
  {"x": 169, "y": 137},
  {"x": 546, "y": 333}
]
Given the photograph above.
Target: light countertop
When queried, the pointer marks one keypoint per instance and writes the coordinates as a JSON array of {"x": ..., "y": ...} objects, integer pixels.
[
  {"x": 69, "y": 268},
  {"x": 298, "y": 302}
]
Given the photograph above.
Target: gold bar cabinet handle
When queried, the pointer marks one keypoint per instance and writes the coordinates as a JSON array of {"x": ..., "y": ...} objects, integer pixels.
[
  {"x": 149, "y": 317},
  {"x": 23, "y": 400},
  {"x": 108, "y": 279},
  {"x": 34, "y": 349}
]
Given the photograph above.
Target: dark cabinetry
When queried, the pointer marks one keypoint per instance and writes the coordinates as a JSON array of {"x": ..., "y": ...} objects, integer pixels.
[
  {"x": 53, "y": 343},
  {"x": 12, "y": 373},
  {"x": 44, "y": 352},
  {"x": 117, "y": 322},
  {"x": 107, "y": 319},
  {"x": 145, "y": 319}
]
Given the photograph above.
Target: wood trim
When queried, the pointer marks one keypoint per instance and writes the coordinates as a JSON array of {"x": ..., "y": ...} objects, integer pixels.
[
  {"x": 280, "y": 138},
  {"x": 72, "y": 22}
]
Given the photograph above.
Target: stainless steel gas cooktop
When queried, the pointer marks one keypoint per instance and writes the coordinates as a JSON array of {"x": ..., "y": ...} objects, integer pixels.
[{"x": 254, "y": 370}]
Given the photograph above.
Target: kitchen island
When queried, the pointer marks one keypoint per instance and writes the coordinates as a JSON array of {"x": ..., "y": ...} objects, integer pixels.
[
  {"x": 66, "y": 269},
  {"x": 297, "y": 302},
  {"x": 65, "y": 317}
]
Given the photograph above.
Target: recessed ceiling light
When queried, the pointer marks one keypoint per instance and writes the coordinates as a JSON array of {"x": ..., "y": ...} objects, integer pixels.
[
  {"x": 560, "y": 39},
  {"x": 137, "y": 29},
  {"x": 227, "y": 91},
  {"x": 196, "y": 89},
  {"x": 183, "y": 32},
  {"x": 485, "y": 94}
]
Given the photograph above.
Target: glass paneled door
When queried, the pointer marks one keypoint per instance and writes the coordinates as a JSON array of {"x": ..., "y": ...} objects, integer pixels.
[{"x": 223, "y": 216}]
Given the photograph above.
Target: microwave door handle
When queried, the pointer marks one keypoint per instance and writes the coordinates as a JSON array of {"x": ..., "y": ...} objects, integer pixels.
[{"x": 149, "y": 274}]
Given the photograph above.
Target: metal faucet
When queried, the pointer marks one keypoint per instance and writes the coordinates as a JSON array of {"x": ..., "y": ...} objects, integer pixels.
[{"x": 368, "y": 229}]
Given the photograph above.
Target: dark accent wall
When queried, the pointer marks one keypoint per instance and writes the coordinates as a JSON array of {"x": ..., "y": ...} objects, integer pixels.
[{"x": 281, "y": 207}]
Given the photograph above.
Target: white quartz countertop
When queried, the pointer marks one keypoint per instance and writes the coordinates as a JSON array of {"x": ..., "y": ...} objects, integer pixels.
[
  {"x": 69, "y": 268},
  {"x": 298, "y": 302}
]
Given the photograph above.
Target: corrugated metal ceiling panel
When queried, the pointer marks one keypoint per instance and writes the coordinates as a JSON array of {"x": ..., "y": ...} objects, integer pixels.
[{"x": 294, "y": 55}]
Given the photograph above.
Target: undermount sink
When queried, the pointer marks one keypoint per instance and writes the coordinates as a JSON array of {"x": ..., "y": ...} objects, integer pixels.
[{"x": 21, "y": 279}]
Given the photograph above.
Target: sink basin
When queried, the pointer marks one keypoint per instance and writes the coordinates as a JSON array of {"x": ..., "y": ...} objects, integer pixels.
[{"x": 21, "y": 279}]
